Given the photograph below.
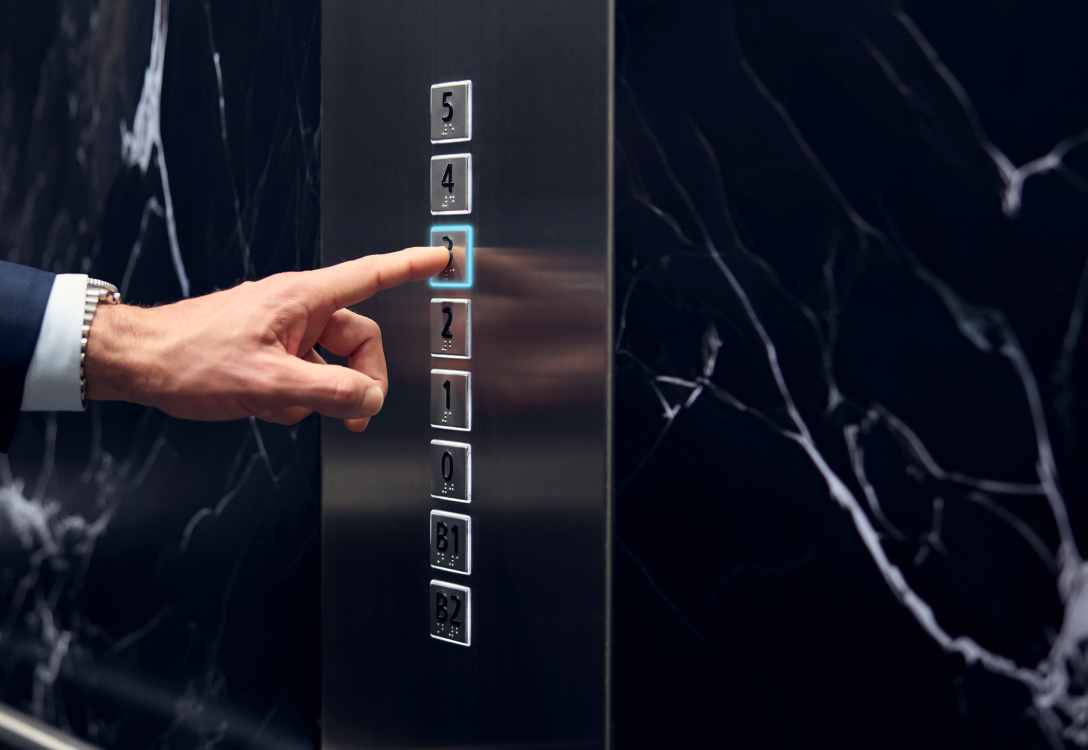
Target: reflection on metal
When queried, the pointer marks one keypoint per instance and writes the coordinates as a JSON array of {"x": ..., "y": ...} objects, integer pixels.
[
  {"x": 535, "y": 671},
  {"x": 24, "y": 732}
]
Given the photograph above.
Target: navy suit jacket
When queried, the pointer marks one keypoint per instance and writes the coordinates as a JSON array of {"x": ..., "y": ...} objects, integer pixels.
[{"x": 24, "y": 293}]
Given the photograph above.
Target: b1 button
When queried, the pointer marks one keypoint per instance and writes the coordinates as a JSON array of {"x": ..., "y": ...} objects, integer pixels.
[
  {"x": 451, "y": 542},
  {"x": 458, "y": 239},
  {"x": 451, "y": 399},
  {"x": 451, "y": 184},
  {"x": 451, "y": 328},
  {"x": 451, "y": 613},
  {"x": 451, "y": 471}
]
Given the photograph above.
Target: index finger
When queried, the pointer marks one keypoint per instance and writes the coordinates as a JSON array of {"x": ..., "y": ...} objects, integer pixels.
[{"x": 349, "y": 283}]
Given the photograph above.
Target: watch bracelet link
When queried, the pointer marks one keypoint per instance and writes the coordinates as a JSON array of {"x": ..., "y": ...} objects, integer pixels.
[{"x": 97, "y": 292}]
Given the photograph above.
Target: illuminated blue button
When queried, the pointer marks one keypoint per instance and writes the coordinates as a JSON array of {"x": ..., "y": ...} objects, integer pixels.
[{"x": 458, "y": 238}]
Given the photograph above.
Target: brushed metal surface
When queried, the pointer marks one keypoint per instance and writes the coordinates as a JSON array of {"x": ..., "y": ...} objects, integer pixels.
[{"x": 537, "y": 670}]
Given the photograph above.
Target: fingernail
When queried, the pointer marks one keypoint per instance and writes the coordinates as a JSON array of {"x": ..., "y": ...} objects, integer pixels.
[{"x": 373, "y": 400}]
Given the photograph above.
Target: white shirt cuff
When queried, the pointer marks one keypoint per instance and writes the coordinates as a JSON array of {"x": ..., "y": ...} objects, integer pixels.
[{"x": 52, "y": 380}]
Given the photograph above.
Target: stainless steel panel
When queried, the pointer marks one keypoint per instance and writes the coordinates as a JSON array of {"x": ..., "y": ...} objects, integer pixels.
[
  {"x": 451, "y": 471},
  {"x": 451, "y": 542},
  {"x": 536, "y": 673},
  {"x": 458, "y": 238},
  {"x": 451, "y": 328},
  {"x": 451, "y": 184},
  {"x": 451, "y": 112}
]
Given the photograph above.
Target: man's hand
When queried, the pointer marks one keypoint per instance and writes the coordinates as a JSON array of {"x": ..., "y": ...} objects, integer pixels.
[{"x": 249, "y": 351}]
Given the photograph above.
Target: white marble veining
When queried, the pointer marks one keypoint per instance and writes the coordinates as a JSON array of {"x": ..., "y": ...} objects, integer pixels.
[{"x": 1056, "y": 683}]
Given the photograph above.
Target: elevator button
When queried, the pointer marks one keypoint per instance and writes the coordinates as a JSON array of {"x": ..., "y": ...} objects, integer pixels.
[
  {"x": 451, "y": 184},
  {"x": 451, "y": 399},
  {"x": 451, "y": 112},
  {"x": 458, "y": 238},
  {"x": 451, "y": 542},
  {"x": 451, "y": 328},
  {"x": 451, "y": 613},
  {"x": 451, "y": 471}
]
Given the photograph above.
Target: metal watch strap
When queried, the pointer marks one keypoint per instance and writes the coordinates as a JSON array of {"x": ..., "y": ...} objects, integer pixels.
[{"x": 97, "y": 292}]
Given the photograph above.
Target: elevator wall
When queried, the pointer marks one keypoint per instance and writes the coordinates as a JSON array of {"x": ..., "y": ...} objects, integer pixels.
[
  {"x": 850, "y": 375},
  {"x": 158, "y": 578}
]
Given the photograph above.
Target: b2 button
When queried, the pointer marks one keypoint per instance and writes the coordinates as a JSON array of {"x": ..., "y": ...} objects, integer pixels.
[{"x": 451, "y": 613}]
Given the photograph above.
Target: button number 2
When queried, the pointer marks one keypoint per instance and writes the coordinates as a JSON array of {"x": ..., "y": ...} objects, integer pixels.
[{"x": 449, "y": 321}]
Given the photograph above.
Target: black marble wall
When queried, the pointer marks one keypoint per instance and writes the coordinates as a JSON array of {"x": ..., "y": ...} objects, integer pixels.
[
  {"x": 159, "y": 579},
  {"x": 851, "y": 386}
]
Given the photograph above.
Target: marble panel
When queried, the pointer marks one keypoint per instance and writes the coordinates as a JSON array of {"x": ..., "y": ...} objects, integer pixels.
[
  {"x": 851, "y": 433},
  {"x": 159, "y": 579}
]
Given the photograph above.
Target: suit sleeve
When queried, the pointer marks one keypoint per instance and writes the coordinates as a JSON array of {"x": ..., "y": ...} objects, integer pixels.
[{"x": 24, "y": 294}]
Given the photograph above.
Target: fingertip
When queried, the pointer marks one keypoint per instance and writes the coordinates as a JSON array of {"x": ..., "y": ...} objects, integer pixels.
[
  {"x": 373, "y": 400},
  {"x": 357, "y": 425},
  {"x": 432, "y": 260}
]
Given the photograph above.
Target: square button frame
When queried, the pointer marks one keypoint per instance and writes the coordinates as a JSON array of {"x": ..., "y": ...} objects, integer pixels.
[
  {"x": 436, "y": 104},
  {"x": 464, "y": 179},
  {"x": 467, "y": 448},
  {"x": 466, "y": 375},
  {"x": 470, "y": 249},
  {"x": 466, "y": 522},
  {"x": 466, "y": 593}
]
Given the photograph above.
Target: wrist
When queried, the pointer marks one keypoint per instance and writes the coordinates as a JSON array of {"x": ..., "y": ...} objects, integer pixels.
[{"x": 119, "y": 361}]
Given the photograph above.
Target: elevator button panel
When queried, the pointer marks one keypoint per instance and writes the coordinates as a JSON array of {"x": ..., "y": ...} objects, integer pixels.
[
  {"x": 458, "y": 239},
  {"x": 451, "y": 613},
  {"x": 451, "y": 112},
  {"x": 451, "y": 471},
  {"x": 451, "y": 542},
  {"x": 451, "y": 399},
  {"x": 451, "y": 328},
  {"x": 451, "y": 184}
]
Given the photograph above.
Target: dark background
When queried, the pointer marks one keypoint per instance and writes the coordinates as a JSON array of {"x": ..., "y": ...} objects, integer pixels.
[{"x": 159, "y": 578}]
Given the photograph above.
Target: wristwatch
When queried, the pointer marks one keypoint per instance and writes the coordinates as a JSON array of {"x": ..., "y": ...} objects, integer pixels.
[{"x": 98, "y": 292}]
